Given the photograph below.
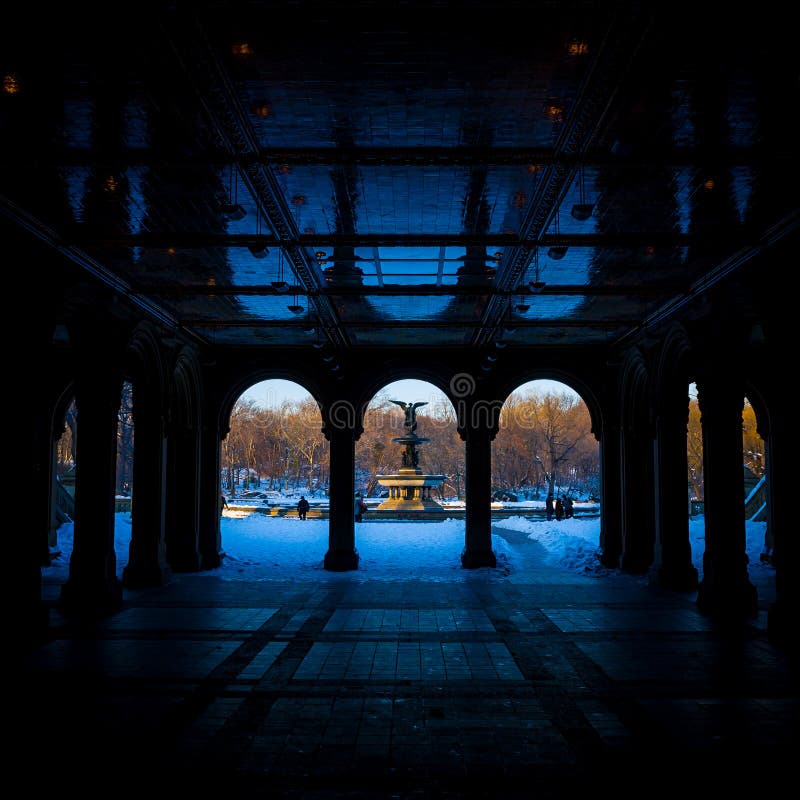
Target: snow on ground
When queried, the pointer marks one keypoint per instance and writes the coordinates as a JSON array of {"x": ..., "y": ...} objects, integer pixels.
[
  {"x": 259, "y": 547},
  {"x": 573, "y": 543}
]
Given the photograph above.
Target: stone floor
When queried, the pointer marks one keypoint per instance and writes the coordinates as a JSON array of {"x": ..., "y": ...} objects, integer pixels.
[{"x": 542, "y": 683}]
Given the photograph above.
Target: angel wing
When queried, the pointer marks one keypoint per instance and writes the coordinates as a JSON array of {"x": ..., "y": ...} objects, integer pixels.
[
  {"x": 399, "y": 403},
  {"x": 417, "y": 405}
]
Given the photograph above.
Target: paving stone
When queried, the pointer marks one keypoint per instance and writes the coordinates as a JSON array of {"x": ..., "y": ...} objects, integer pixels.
[{"x": 411, "y": 690}]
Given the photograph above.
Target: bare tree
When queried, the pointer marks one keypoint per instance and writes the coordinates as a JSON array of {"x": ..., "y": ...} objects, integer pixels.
[
  {"x": 235, "y": 445},
  {"x": 752, "y": 443},
  {"x": 545, "y": 439},
  {"x": 65, "y": 447},
  {"x": 375, "y": 453},
  {"x": 301, "y": 427},
  {"x": 541, "y": 439},
  {"x": 694, "y": 448},
  {"x": 444, "y": 454},
  {"x": 124, "y": 478}
]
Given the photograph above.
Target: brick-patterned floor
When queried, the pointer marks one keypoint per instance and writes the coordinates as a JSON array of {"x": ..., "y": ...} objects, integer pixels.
[{"x": 539, "y": 684}]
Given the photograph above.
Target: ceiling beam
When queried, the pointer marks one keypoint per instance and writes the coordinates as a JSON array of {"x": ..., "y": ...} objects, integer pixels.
[
  {"x": 217, "y": 97},
  {"x": 420, "y": 290},
  {"x": 90, "y": 265},
  {"x": 588, "y": 113},
  {"x": 83, "y": 235},
  {"x": 377, "y": 324},
  {"x": 398, "y": 156},
  {"x": 786, "y": 226}
]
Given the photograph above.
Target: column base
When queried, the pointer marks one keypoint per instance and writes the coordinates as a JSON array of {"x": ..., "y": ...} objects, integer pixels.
[
  {"x": 341, "y": 560},
  {"x": 189, "y": 562},
  {"x": 141, "y": 577},
  {"x": 31, "y": 626},
  {"x": 210, "y": 561},
  {"x": 782, "y": 627},
  {"x": 634, "y": 564},
  {"x": 677, "y": 579},
  {"x": 101, "y": 597},
  {"x": 738, "y": 599},
  {"x": 475, "y": 559},
  {"x": 609, "y": 560}
]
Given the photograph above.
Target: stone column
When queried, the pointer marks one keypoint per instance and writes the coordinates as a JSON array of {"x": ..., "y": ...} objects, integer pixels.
[
  {"x": 93, "y": 583},
  {"x": 183, "y": 553},
  {"x": 210, "y": 539},
  {"x": 611, "y": 496},
  {"x": 725, "y": 588},
  {"x": 637, "y": 497},
  {"x": 779, "y": 431},
  {"x": 27, "y": 549},
  {"x": 673, "y": 552},
  {"x": 784, "y": 613},
  {"x": 478, "y": 483},
  {"x": 52, "y": 519},
  {"x": 147, "y": 563},
  {"x": 342, "y": 554}
]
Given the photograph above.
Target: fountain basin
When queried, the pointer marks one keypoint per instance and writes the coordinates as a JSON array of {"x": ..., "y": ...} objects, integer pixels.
[{"x": 410, "y": 490}]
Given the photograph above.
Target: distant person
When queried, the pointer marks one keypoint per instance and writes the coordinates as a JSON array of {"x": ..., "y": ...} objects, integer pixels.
[
  {"x": 559, "y": 509},
  {"x": 568, "y": 510},
  {"x": 548, "y": 504},
  {"x": 359, "y": 507},
  {"x": 223, "y": 503},
  {"x": 302, "y": 507}
]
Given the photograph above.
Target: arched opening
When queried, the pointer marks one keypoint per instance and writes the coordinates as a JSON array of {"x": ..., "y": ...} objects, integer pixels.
[
  {"x": 62, "y": 502},
  {"x": 415, "y": 496},
  {"x": 273, "y": 455},
  {"x": 61, "y": 538},
  {"x": 263, "y": 536},
  {"x": 546, "y": 476},
  {"x": 384, "y": 420},
  {"x": 758, "y": 536},
  {"x": 123, "y": 489},
  {"x": 275, "y": 449}
]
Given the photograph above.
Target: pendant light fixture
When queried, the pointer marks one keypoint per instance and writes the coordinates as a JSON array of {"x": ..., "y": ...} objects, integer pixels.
[
  {"x": 231, "y": 209},
  {"x": 582, "y": 210},
  {"x": 537, "y": 284},
  {"x": 258, "y": 249},
  {"x": 557, "y": 251},
  {"x": 280, "y": 285}
]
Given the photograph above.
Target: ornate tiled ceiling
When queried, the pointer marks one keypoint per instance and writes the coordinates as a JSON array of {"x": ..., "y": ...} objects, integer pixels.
[{"x": 267, "y": 173}]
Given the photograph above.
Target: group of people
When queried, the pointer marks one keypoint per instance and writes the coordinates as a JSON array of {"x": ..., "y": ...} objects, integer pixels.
[
  {"x": 359, "y": 507},
  {"x": 560, "y": 509}
]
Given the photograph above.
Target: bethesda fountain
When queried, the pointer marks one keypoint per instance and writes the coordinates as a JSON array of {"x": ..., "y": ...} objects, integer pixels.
[{"x": 410, "y": 488}]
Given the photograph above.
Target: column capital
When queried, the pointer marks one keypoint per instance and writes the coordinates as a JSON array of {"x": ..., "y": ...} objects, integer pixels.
[
  {"x": 720, "y": 395},
  {"x": 478, "y": 418},
  {"x": 672, "y": 415},
  {"x": 96, "y": 333},
  {"x": 341, "y": 419}
]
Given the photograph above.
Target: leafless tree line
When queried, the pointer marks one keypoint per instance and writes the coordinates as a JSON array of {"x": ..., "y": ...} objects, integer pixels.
[{"x": 544, "y": 443}]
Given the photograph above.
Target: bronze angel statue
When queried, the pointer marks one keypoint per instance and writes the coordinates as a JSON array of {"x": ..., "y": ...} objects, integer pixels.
[{"x": 410, "y": 409}]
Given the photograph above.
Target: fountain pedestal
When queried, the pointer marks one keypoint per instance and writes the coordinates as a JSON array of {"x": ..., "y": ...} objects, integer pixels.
[{"x": 410, "y": 488}]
